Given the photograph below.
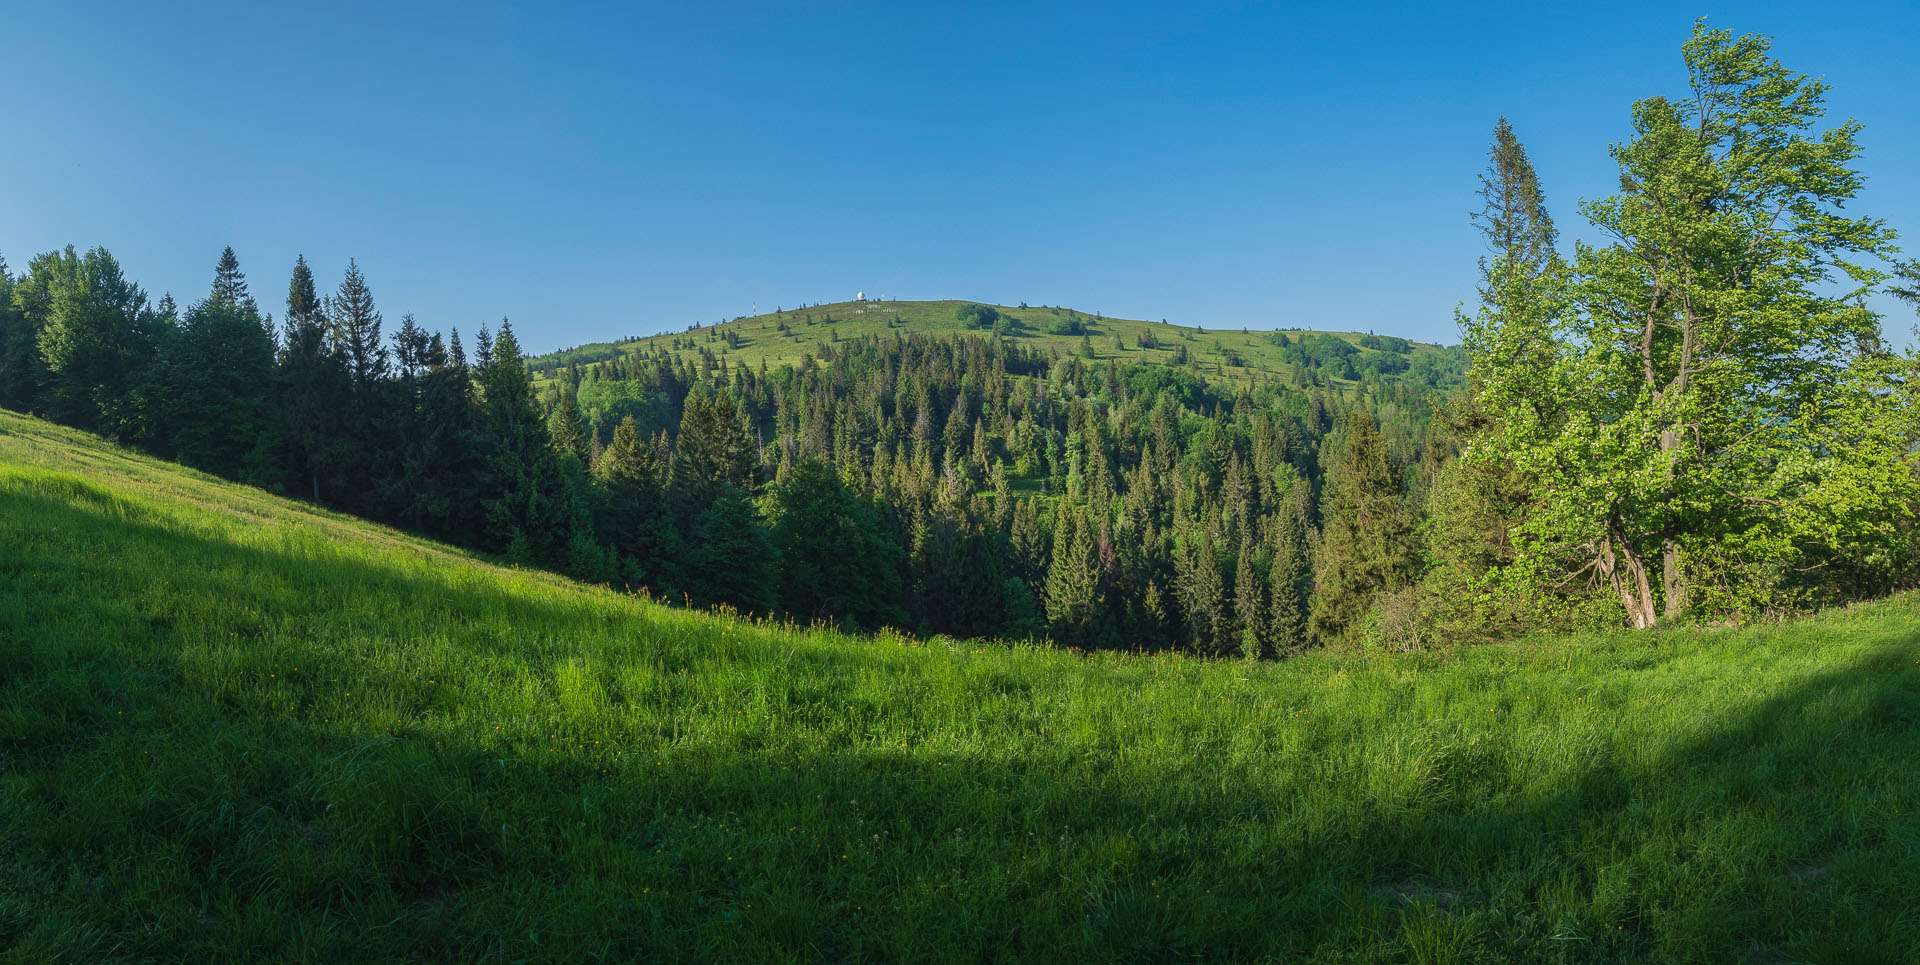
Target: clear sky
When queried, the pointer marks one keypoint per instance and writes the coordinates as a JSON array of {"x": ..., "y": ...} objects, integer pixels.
[{"x": 598, "y": 171}]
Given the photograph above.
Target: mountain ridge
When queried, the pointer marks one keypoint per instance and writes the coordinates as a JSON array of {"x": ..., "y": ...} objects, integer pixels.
[{"x": 761, "y": 337}]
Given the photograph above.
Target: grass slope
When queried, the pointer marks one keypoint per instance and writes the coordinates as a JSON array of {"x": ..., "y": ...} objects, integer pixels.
[
  {"x": 760, "y": 338},
  {"x": 235, "y": 727}
]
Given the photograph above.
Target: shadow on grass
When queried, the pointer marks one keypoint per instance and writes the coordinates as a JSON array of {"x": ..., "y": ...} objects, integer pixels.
[{"x": 159, "y": 802}]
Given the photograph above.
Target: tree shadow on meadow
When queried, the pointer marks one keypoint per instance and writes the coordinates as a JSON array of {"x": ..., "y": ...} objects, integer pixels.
[{"x": 160, "y": 803}]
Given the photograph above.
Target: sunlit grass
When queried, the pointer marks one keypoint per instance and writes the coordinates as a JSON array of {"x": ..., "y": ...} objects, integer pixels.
[
  {"x": 235, "y": 727},
  {"x": 760, "y": 340}
]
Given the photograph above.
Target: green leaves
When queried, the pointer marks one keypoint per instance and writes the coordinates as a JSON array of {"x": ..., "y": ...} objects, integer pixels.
[{"x": 1673, "y": 400}]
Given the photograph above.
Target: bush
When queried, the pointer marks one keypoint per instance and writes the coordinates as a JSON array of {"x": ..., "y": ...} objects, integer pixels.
[{"x": 977, "y": 316}]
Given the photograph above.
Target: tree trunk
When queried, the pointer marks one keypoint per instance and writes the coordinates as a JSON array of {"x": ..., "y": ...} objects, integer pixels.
[
  {"x": 1673, "y": 582},
  {"x": 1627, "y": 571}
]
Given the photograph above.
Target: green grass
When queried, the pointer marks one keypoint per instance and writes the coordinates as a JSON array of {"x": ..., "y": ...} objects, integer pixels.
[
  {"x": 761, "y": 339},
  {"x": 233, "y": 727}
]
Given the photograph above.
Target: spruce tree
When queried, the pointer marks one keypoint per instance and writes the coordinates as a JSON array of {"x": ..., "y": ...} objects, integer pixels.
[
  {"x": 1249, "y": 603},
  {"x": 215, "y": 383},
  {"x": 230, "y": 286},
  {"x": 1070, "y": 578},
  {"x": 712, "y": 449},
  {"x": 523, "y": 493},
  {"x": 731, "y": 560},
  {"x": 1202, "y": 596},
  {"x": 1514, "y": 218},
  {"x": 1906, "y": 285},
  {"x": 355, "y": 330},
  {"x": 834, "y": 560},
  {"x": 1367, "y": 544},
  {"x": 568, "y": 432},
  {"x": 311, "y": 387},
  {"x": 1286, "y": 616}
]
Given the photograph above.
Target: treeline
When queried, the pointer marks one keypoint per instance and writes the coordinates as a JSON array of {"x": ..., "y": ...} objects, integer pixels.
[
  {"x": 962, "y": 486},
  {"x": 1693, "y": 421}
]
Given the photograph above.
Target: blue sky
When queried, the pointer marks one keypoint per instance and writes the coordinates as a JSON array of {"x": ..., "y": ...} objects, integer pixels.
[{"x": 602, "y": 171}]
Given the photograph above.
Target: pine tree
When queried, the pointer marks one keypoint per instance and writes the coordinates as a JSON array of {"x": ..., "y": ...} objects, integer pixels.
[
  {"x": 1249, "y": 603},
  {"x": 712, "y": 449},
  {"x": 311, "y": 386},
  {"x": 834, "y": 560},
  {"x": 1514, "y": 219},
  {"x": 1286, "y": 616},
  {"x": 523, "y": 493},
  {"x": 1202, "y": 596},
  {"x": 732, "y": 561},
  {"x": 355, "y": 330},
  {"x": 564, "y": 425},
  {"x": 229, "y": 286},
  {"x": 1071, "y": 578},
  {"x": 1367, "y": 544},
  {"x": 215, "y": 380}
]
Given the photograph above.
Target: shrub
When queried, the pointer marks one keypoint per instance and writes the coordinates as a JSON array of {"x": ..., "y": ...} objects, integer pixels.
[{"x": 977, "y": 316}]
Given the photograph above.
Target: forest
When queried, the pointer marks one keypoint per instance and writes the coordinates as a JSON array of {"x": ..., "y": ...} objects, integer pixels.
[{"x": 1690, "y": 418}]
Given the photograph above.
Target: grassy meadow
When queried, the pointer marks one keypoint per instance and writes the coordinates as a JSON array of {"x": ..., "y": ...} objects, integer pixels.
[
  {"x": 760, "y": 338},
  {"x": 236, "y": 727}
]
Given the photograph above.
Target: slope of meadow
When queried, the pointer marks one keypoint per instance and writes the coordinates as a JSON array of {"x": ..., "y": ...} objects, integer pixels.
[
  {"x": 759, "y": 337},
  {"x": 232, "y": 726}
]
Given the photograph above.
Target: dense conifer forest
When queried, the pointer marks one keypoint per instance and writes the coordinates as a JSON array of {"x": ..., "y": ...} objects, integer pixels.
[{"x": 1692, "y": 420}]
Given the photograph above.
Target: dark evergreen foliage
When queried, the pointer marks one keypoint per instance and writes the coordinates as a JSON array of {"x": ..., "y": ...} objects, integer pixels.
[{"x": 965, "y": 486}]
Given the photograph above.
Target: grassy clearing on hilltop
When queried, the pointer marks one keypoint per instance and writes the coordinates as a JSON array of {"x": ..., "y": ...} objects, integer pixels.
[
  {"x": 232, "y": 726},
  {"x": 760, "y": 338}
]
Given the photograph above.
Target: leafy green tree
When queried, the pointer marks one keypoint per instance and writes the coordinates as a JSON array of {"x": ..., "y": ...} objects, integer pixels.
[
  {"x": 22, "y": 370},
  {"x": 977, "y": 316},
  {"x": 95, "y": 335},
  {"x": 1907, "y": 289},
  {"x": 1702, "y": 335},
  {"x": 1476, "y": 502}
]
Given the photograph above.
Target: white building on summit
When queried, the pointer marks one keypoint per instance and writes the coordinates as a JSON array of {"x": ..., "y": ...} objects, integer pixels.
[{"x": 859, "y": 296}]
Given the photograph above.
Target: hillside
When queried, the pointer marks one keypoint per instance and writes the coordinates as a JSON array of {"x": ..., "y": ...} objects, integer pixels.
[
  {"x": 1234, "y": 352},
  {"x": 233, "y": 726}
]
